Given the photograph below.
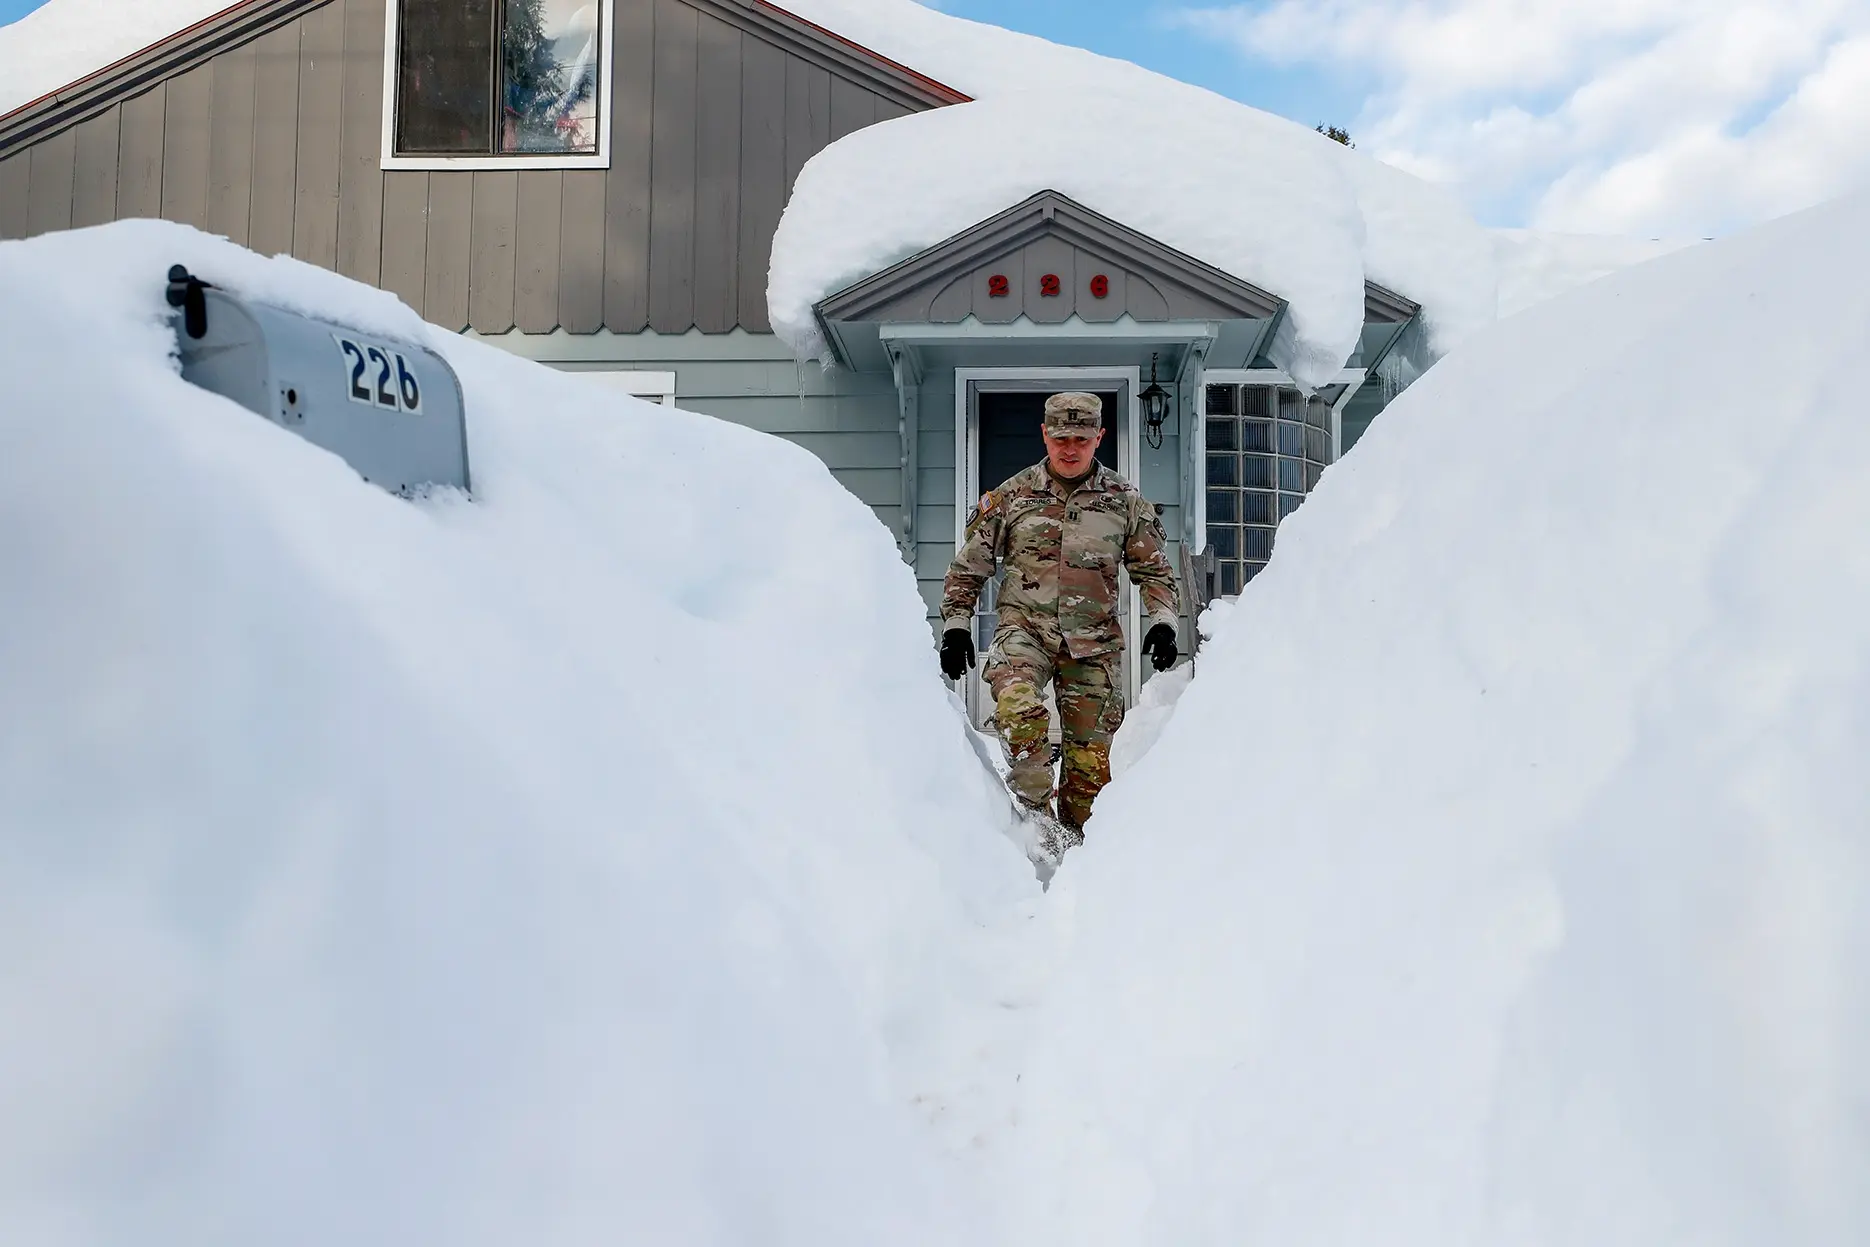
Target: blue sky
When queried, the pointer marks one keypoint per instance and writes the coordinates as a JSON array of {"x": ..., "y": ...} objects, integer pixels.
[{"x": 1143, "y": 31}]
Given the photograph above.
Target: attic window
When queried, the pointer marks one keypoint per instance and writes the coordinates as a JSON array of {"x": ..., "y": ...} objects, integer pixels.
[{"x": 508, "y": 82}]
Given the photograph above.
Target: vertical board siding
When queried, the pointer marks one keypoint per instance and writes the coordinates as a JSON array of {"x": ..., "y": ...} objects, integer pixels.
[
  {"x": 230, "y": 143},
  {"x": 185, "y": 140},
  {"x": 490, "y": 241},
  {"x": 94, "y": 180},
  {"x": 53, "y": 164},
  {"x": 808, "y": 115},
  {"x": 672, "y": 170},
  {"x": 717, "y": 177},
  {"x": 762, "y": 172},
  {"x": 581, "y": 251},
  {"x": 276, "y": 143},
  {"x": 626, "y": 207},
  {"x": 139, "y": 160},
  {"x": 451, "y": 217},
  {"x": 321, "y": 116},
  {"x": 16, "y": 195},
  {"x": 405, "y": 235},
  {"x": 360, "y": 146},
  {"x": 852, "y": 108},
  {"x": 275, "y": 139},
  {"x": 535, "y": 265}
]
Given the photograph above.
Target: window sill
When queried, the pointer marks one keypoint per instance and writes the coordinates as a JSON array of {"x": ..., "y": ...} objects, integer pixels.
[{"x": 544, "y": 160}]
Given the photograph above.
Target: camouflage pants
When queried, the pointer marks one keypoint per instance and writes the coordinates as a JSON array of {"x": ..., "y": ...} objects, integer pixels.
[{"x": 1090, "y": 709}]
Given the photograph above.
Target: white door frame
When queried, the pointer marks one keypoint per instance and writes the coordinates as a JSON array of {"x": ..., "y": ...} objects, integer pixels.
[{"x": 968, "y": 487}]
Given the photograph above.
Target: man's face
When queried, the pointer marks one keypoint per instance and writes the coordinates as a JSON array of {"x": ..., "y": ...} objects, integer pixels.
[{"x": 1071, "y": 454}]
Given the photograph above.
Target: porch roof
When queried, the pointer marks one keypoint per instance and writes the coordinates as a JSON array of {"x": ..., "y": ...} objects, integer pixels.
[{"x": 1052, "y": 271}]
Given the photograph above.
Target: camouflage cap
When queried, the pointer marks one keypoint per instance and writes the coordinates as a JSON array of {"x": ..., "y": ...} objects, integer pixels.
[{"x": 1074, "y": 415}]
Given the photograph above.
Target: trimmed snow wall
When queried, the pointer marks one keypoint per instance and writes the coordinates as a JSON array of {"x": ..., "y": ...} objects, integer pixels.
[
  {"x": 581, "y": 863},
  {"x": 1503, "y": 875}
]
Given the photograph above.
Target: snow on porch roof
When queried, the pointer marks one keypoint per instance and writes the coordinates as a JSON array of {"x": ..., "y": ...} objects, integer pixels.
[
  {"x": 1264, "y": 201},
  {"x": 1258, "y": 197},
  {"x": 1046, "y": 262}
]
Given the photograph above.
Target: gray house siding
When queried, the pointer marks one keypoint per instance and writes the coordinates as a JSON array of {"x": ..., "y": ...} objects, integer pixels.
[
  {"x": 265, "y": 124},
  {"x": 847, "y": 419}
]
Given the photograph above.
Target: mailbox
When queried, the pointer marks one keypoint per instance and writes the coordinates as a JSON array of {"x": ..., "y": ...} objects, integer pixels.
[{"x": 391, "y": 409}]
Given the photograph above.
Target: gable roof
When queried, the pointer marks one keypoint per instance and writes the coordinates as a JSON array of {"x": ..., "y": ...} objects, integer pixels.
[
  {"x": 1049, "y": 214},
  {"x": 245, "y": 20}
]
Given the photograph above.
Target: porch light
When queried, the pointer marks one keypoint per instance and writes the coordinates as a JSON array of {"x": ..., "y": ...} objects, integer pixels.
[{"x": 1155, "y": 403}]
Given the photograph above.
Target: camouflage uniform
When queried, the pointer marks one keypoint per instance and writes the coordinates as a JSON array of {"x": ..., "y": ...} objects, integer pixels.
[{"x": 1062, "y": 543}]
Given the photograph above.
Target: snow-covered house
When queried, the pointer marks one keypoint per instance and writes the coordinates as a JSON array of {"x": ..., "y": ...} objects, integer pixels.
[{"x": 622, "y": 187}]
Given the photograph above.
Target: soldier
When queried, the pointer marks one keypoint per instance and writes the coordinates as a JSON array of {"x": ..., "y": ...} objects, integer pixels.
[{"x": 1062, "y": 526}]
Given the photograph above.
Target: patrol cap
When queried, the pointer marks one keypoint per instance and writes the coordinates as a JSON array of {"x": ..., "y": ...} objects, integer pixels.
[{"x": 1074, "y": 414}]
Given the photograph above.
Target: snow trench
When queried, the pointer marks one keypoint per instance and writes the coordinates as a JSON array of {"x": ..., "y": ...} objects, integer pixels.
[{"x": 602, "y": 859}]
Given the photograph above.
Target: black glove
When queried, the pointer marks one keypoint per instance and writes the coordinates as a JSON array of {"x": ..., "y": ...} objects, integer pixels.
[
  {"x": 1160, "y": 646},
  {"x": 957, "y": 652}
]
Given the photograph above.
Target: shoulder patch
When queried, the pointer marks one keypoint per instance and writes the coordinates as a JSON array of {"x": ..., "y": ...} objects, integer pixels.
[{"x": 989, "y": 503}]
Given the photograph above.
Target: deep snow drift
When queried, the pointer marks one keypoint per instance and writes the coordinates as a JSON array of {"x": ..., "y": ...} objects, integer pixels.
[
  {"x": 601, "y": 861},
  {"x": 590, "y": 862},
  {"x": 1503, "y": 876}
]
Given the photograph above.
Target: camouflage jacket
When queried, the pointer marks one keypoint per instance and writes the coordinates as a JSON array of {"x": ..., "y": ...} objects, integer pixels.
[{"x": 1062, "y": 545}]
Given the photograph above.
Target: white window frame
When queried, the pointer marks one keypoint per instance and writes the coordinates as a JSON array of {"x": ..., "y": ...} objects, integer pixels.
[
  {"x": 651, "y": 387},
  {"x": 968, "y": 487},
  {"x": 606, "y": 90}
]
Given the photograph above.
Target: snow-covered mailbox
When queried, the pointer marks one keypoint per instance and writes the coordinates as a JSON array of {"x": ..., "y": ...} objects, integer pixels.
[{"x": 393, "y": 410}]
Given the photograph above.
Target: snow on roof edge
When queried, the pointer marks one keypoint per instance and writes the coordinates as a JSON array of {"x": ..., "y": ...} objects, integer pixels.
[
  {"x": 62, "y": 20},
  {"x": 959, "y": 97}
]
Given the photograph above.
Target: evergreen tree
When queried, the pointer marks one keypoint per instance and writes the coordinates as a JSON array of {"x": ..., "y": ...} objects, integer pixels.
[{"x": 1336, "y": 134}]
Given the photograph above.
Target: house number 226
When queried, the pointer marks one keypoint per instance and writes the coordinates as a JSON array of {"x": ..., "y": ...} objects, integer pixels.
[{"x": 379, "y": 377}]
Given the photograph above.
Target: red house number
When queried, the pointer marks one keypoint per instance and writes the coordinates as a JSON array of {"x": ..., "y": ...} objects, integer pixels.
[
  {"x": 1048, "y": 285},
  {"x": 1100, "y": 287},
  {"x": 997, "y": 287}
]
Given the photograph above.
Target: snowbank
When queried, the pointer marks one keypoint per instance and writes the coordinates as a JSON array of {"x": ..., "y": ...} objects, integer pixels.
[
  {"x": 1535, "y": 266},
  {"x": 594, "y": 861},
  {"x": 1504, "y": 874},
  {"x": 65, "y": 40}
]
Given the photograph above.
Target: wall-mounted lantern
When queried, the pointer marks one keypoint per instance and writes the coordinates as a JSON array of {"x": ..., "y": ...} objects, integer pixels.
[{"x": 1155, "y": 403}]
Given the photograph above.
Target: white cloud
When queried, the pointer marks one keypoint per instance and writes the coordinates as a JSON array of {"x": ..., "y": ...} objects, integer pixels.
[{"x": 1677, "y": 117}]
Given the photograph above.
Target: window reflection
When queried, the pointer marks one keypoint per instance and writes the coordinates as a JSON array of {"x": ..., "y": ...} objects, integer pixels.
[
  {"x": 549, "y": 76},
  {"x": 496, "y": 77}
]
